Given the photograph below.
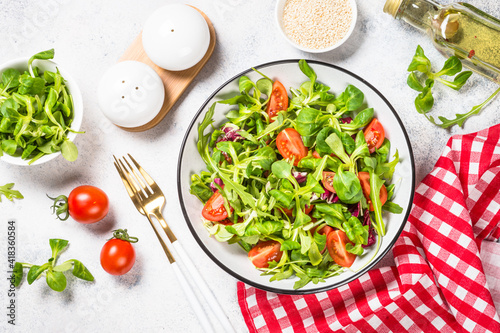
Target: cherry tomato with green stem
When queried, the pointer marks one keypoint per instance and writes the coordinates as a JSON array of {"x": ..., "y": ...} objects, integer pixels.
[
  {"x": 85, "y": 204},
  {"x": 118, "y": 254}
]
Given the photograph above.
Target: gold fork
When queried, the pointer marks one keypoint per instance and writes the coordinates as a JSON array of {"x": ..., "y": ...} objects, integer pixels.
[{"x": 150, "y": 201}]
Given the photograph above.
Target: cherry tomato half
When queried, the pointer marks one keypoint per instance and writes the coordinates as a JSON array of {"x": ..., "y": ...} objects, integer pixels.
[
  {"x": 278, "y": 101},
  {"x": 328, "y": 180},
  {"x": 117, "y": 256},
  {"x": 374, "y": 135},
  {"x": 335, "y": 243},
  {"x": 264, "y": 252},
  {"x": 364, "y": 179},
  {"x": 290, "y": 145},
  {"x": 214, "y": 209},
  {"x": 88, "y": 204}
]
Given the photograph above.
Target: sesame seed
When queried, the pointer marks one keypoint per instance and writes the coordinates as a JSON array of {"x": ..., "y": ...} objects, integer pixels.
[{"x": 317, "y": 24}]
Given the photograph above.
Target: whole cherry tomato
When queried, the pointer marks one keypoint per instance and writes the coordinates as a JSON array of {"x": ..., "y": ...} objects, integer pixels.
[
  {"x": 118, "y": 254},
  {"x": 85, "y": 204}
]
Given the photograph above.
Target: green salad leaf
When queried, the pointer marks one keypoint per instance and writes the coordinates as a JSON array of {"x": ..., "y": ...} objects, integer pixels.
[{"x": 9, "y": 193}]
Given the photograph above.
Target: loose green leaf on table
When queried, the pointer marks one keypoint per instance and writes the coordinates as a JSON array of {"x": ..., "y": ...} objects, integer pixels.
[
  {"x": 425, "y": 101},
  {"x": 80, "y": 271},
  {"x": 9, "y": 193},
  {"x": 461, "y": 117},
  {"x": 56, "y": 280},
  {"x": 69, "y": 150},
  {"x": 422, "y": 79},
  {"x": 35, "y": 272},
  {"x": 18, "y": 273},
  {"x": 54, "y": 274},
  {"x": 420, "y": 62}
]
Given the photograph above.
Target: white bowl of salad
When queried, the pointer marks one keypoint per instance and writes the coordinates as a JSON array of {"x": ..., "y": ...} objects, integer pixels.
[
  {"x": 41, "y": 111},
  {"x": 296, "y": 177}
]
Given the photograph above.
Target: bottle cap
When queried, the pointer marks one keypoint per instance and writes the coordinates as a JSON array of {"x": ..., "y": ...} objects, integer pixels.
[{"x": 391, "y": 7}]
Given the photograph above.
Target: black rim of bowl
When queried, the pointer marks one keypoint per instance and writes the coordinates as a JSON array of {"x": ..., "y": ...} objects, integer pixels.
[{"x": 264, "y": 287}]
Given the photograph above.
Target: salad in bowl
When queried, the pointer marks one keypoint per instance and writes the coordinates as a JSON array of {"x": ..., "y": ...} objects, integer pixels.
[
  {"x": 275, "y": 176},
  {"x": 300, "y": 183}
]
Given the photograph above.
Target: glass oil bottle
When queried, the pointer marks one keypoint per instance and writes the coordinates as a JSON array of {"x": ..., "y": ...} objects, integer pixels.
[{"x": 458, "y": 29}]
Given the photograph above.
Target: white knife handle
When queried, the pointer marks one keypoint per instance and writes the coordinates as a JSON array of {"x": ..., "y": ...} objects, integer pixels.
[
  {"x": 202, "y": 285},
  {"x": 195, "y": 303}
]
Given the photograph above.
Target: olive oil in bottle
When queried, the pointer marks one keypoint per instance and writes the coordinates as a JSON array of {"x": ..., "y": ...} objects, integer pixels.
[{"x": 457, "y": 30}]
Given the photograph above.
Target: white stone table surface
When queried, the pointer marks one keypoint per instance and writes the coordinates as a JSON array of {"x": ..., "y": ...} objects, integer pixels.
[{"x": 89, "y": 36}]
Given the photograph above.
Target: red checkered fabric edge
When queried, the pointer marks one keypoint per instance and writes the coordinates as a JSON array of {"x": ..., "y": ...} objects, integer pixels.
[{"x": 447, "y": 273}]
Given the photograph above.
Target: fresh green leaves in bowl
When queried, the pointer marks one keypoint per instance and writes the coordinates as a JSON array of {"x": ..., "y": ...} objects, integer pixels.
[{"x": 36, "y": 112}]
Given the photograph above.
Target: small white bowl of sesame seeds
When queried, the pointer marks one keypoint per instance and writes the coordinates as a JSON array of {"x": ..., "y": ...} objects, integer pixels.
[{"x": 316, "y": 26}]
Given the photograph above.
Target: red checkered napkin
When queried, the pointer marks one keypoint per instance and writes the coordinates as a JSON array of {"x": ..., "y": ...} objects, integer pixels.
[{"x": 447, "y": 273}]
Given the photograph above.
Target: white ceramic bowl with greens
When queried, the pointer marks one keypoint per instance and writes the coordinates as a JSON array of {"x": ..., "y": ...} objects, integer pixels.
[
  {"x": 21, "y": 64},
  {"x": 232, "y": 258}
]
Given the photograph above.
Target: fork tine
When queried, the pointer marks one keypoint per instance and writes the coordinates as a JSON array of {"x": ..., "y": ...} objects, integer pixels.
[
  {"x": 125, "y": 181},
  {"x": 146, "y": 176},
  {"x": 135, "y": 188},
  {"x": 139, "y": 178},
  {"x": 132, "y": 192},
  {"x": 122, "y": 175},
  {"x": 128, "y": 187}
]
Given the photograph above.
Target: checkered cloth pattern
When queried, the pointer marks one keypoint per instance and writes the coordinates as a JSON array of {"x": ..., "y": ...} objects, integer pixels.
[{"x": 447, "y": 273}]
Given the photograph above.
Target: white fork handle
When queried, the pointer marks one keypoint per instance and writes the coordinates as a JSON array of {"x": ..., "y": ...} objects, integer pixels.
[
  {"x": 195, "y": 303},
  {"x": 202, "y": 285}
]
